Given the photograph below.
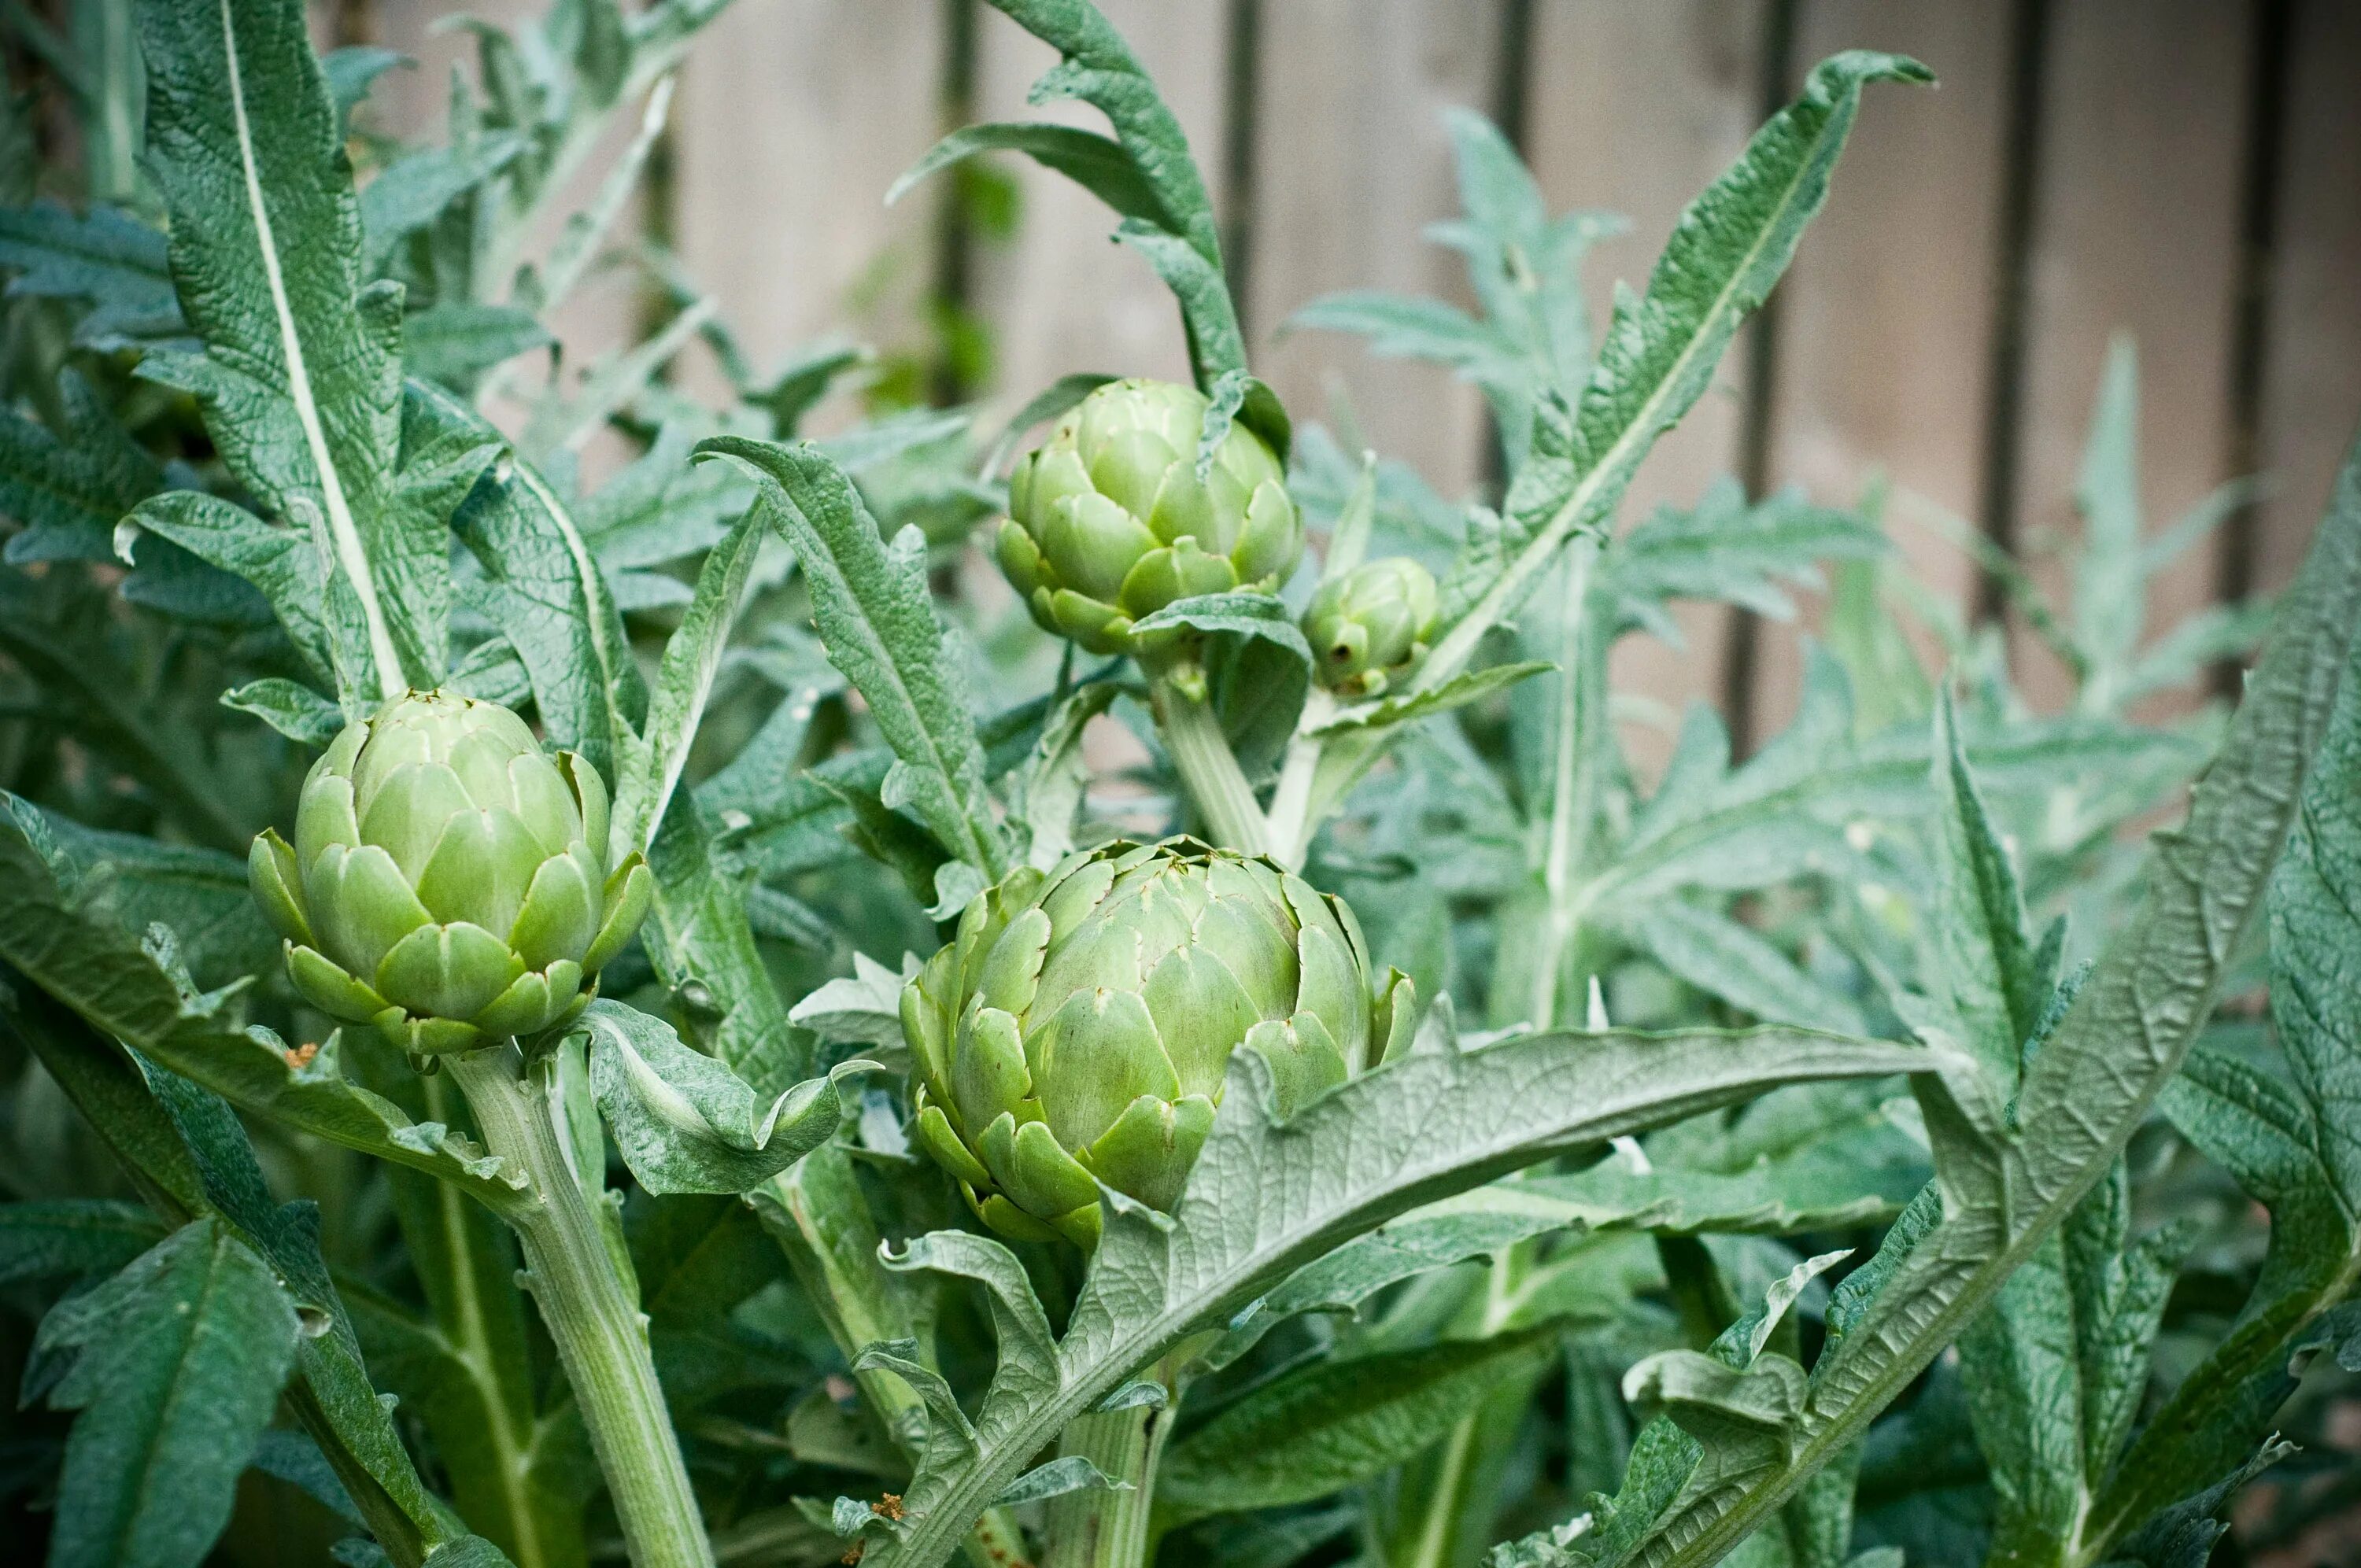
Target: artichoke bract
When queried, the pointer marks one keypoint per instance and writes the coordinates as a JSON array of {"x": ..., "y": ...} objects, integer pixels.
[
  {"x": 1369, "y": 627},
  {"x": 448, "y": 882},
  {"x": 1077, "y": 1028},
  {"x": 1108, "y": 521}
]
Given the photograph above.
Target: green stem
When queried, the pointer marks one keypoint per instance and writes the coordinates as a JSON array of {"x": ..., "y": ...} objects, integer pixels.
[
  {"x": 1208, "y": 768},
  {"x": 592, "y": 1315},
  {"x": 464, "y": 1323},
  {"x": 1569, "y": 802},
  {"x": 1095, "y": 1528},
  {"x": 1290, "y": 825}
]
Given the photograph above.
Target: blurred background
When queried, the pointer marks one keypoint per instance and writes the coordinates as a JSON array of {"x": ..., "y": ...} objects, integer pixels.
[{"x": 2187, "y": 172}]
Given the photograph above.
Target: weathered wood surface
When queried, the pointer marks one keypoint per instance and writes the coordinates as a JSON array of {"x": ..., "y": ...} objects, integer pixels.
[{"x": 1328, "y": 159}]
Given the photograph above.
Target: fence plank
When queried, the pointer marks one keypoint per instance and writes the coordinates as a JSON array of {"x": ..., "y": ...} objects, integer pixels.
[
  {"x": 1886, "y": 315},
  {"x": 2311, "y": 387},
  {"x": 1353, "y": 163},
  {"x": 1636, "y": 108},
  {"x": 2135, "y": 227},
  {"x": 1059, "y": 296},
  {"x": 793, "y": 116}
]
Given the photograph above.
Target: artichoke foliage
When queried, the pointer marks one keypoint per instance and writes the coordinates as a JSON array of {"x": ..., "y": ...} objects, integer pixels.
[
  {"x": 1077, "y": 1028},
  {"x": 1108, "y": 521},
  {"x": 1369, "y": 628},
  {"x": 449, "y": 881}
]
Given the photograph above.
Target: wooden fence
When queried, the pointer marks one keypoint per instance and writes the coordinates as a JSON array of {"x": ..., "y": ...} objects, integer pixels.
[{"x": 2188, "y": 171}]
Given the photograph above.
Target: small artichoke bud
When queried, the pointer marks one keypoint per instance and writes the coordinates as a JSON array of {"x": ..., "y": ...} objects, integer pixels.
[
  {"x": 1370, "y": 627},
  {"x": 1108, "y": 523},
  {"x": 448, "y": 882},
  {"x": 1077, "y": 1030}
]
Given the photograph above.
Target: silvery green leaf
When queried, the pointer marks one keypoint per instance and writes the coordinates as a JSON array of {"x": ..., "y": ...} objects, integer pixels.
[
  {"x": 180, "y": 1359},
  {"x": 1659, "y": 350},
  {"x": 1050, "y": 792},
  {"x": 650, "y": 767},
  {"x": 301, "y": 381},
  {"x": 105, "y": 257},
  {"x": 453, "y": 342},
  {"x": 1071, "y": 1472},
  {"x": 1339, "y": 1421},
  {"x": 864, "y": 1008},
  {"x": 1468, "y": 686},
  {"x": 1267, "y": 1197},
  {"x": 879, "y": 627},
  {"x": 292, "y": 708},
  {"x": 68, "y": 494},
  {"x": 2008, "y": 1183},
  {"x": 1098, "y": 163},
  {"x": 51, "y": 932},
  {"x": 684, "y": 1122}
]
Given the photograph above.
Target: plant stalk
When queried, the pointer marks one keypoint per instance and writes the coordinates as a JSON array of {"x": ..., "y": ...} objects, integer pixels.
[
  {"x": 592, "y": 1314},
  {"x": 1208, "y": 768},
  {"x": 1290, "y": 825},
  {"x": 1094, "y": 1528}
]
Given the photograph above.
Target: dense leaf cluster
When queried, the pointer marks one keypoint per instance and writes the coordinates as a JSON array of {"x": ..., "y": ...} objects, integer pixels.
[{"x": 1846, "y": 1153}]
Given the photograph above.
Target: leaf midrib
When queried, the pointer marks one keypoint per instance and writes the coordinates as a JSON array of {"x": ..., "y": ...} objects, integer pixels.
[{"x": 351, "y": 552}]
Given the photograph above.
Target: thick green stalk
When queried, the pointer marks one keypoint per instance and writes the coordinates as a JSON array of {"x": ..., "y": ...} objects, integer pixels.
[
  {"x": 592, "y": 1315},
  {"x": 1570, "y": 805},
  {"x": 463, "y": 1320},
  {"x": 1290, "y": 825},
  {"x": 1208, "y": 768},
  {"x": 1095, "y": 1529}
]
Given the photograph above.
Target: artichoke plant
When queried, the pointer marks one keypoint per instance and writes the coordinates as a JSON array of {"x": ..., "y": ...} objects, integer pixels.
[
  {"x": 448, "y": 882},
  {"x": 1108, "y": 521},
  {"x": 1077, "y": 1030},
  {"x": 1369, "y": 627}
]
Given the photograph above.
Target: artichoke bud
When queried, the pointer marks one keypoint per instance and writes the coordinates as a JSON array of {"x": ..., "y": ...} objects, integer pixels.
[
  {"x": 1108, "y": 521},
  {"x": 1077, "y": 1030},
  {"x": 1370, "y": 627},
  {"x": 449, "y": 881}
]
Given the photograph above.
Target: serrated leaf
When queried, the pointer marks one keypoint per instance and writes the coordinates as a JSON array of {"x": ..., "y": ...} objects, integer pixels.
[
  {"x": 1338, "y": 1421},
  {"x": 64, "y": 1238},
  {"x": 68, "y": 494},
  {"x": 180, "y": 1359},
  {"x": 291, "y": 707},
  {"x": 684, "y": 1122},
  {"x": 51, "y": 932},
  {"x": 1660, "y": 349},
  {"x": 651, "y": 767},
  {"x": 1468, "y": 686},
  {"x": 2005, "y": 1188},
  {"x": 105, "y": 257},
  {"x": 865, "y": 1006},
  {"x": 1098, "y": 164},
  {"x": 301, "y": 378},
  {"x": 1266, "y": 1198},
  {"x": 879, "y": 627}
]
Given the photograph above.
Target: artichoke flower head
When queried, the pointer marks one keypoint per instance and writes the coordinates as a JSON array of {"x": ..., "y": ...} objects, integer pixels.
[
  {"x": 1109, "y": 521},
  {"x": 1077, "y": 1030},
  {"x": 1369, "y": 628},
  {"x": 448, "y": 882}
]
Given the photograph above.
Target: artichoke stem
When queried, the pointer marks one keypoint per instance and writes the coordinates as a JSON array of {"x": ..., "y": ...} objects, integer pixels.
[
  {"x": 1209, "y": 770},
  {"x": 592, "y": 1313},
  {"x": 1290, "y": 825},
  {"x": 1097, "y": 1528}
]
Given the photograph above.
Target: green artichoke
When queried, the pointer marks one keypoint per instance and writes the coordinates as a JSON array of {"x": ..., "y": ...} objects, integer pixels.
[
  {"x": 1369, "y": 627},
  {"x": 1108, "y": 523},
  {"x": 1079, "y": 1026},
  {"x": 448, "y": 881}
]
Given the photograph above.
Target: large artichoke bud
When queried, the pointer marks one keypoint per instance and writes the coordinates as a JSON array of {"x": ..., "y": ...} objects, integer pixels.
[
  {"x": 1080, "y": 1023},
  {"x": 1369, "y": 627},
  {"x": 448, "y": 881},
  {"x": 1108, "y": 523}
]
